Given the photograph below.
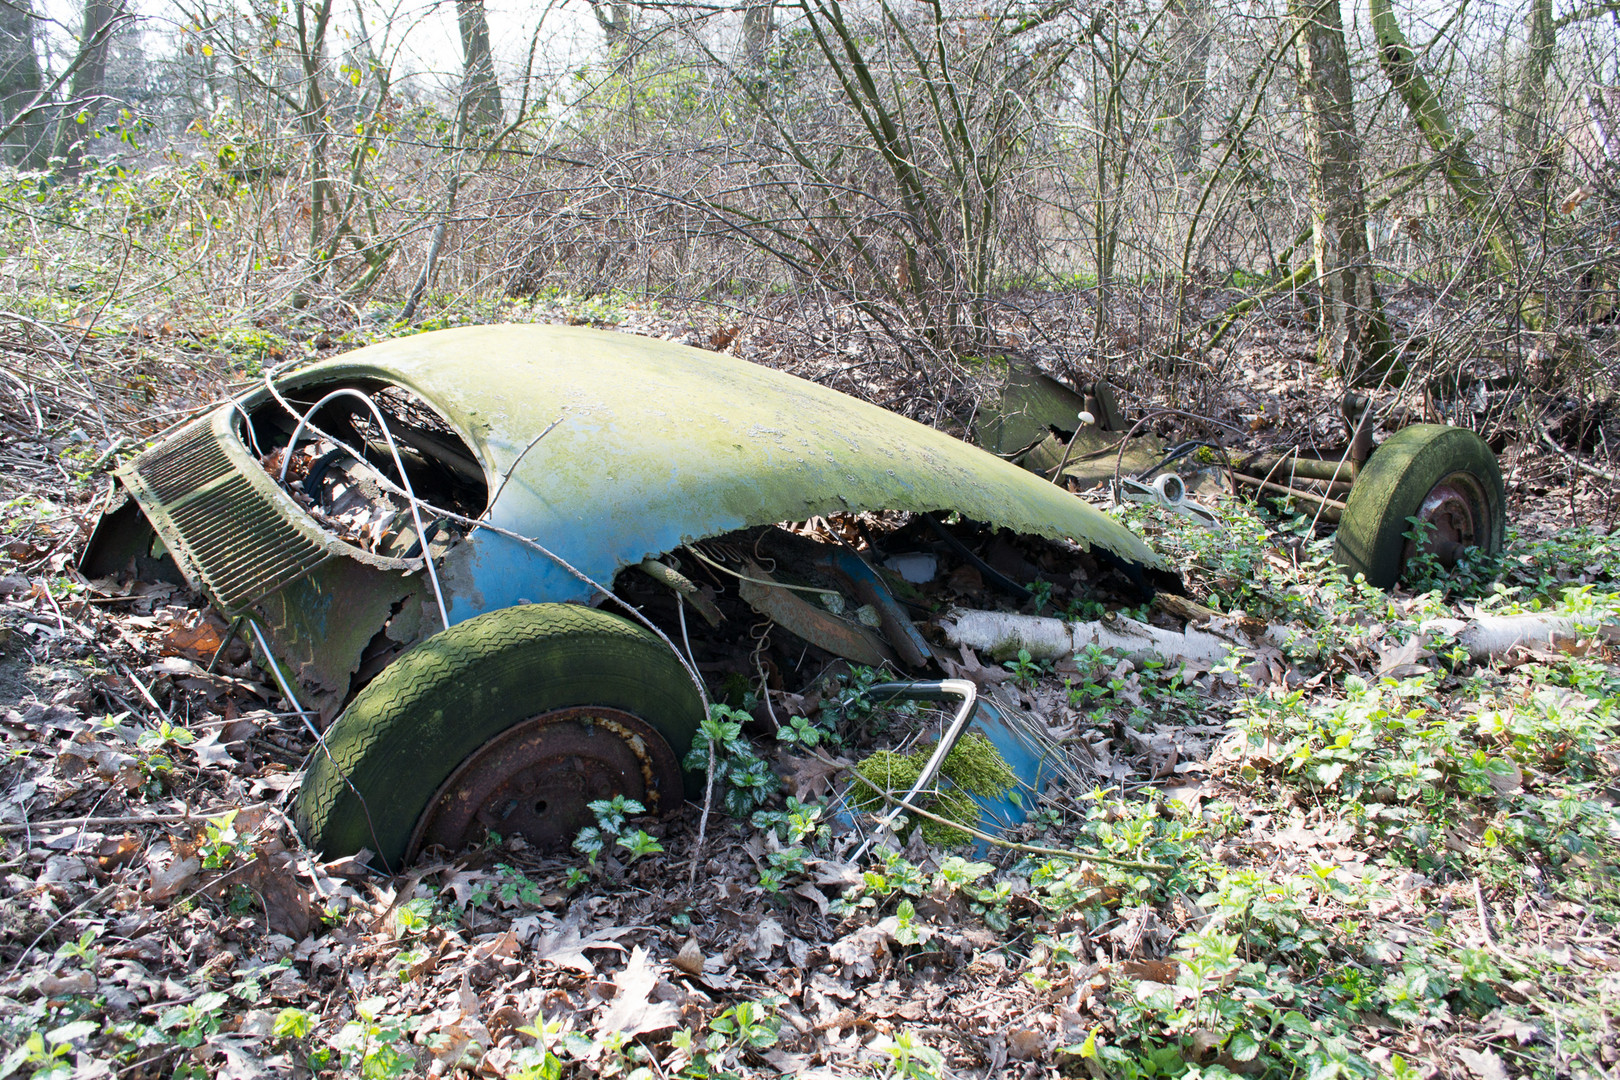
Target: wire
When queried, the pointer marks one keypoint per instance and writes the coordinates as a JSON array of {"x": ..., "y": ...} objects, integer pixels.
[
  {"x": 474, "y": 524},
  {"x": 761, "y": 581},
  {"x": 393, "y": 450},
  {"x": 304, "y": 714},
  {"x": 928, "y": 691}
]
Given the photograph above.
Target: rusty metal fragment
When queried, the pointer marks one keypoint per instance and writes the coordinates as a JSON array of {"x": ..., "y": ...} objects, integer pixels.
[{"x": 817, "y": 626}]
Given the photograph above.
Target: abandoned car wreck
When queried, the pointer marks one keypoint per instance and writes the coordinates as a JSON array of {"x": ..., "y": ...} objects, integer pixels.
[{"x": 503, "y": 568}]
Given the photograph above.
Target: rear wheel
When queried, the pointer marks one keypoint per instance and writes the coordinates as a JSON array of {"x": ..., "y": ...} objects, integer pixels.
[
  {"x": 510, "y": 723},
  {"x": 1447, "y": 478}
]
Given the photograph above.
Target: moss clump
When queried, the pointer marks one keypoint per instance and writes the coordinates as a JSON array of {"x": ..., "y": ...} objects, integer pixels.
[{"x": 974, "y": 767}]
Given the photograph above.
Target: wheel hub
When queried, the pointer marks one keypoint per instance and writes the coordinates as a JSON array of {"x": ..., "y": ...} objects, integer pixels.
[
  {"x": 536, "y": 779},
  {"x": 1453, "y": 509}
]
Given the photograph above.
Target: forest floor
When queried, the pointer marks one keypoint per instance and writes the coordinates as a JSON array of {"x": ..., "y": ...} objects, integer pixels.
[{"x": 1356, "y": 854}]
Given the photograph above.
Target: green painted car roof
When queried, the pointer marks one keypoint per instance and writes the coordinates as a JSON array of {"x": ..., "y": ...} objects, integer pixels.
[{"x": 657, "y": 444}]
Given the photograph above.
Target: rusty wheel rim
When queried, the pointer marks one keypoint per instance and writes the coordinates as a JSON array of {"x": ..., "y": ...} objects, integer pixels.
[
  {"x": 1456, "y": 509},
  {"x": 536, "y": 779}
]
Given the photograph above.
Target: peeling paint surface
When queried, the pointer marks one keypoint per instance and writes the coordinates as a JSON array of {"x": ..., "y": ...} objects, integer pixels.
[{"x": 657, "y": 445}]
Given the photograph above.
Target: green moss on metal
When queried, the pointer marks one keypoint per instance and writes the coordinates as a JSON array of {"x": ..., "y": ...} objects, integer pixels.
[{"x": 973, "y": 767}]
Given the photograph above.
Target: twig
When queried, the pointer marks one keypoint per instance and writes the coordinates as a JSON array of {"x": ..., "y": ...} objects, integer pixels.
[
  {"x": 1547, "y": 438},
  {"x": 130, "y": 819},
  {"x": 145, "y": 693},
  {"x": 94, "y": 898},
  {"x": 703, "y": 821},
  {"x": 1484, "y": 916},
  {"x": 493, "y": 499},
  {"x": 1033, "y": 849}
]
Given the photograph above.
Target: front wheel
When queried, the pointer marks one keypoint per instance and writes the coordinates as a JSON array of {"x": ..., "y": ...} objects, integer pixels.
[
  {"x": 508, "y": 723},
  {"x": 1446, "y": 478}
]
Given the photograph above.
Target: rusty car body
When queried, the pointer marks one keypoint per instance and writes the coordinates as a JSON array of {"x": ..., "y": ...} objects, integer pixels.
[{"x": 524, "y": 468}]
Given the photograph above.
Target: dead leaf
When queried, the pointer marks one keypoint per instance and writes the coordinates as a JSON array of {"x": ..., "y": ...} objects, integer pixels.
[
  {"x": 1484, "y": 1064},
  {"x": 811, "y": 777},
  {"x": 765, "y": 938},
  {"x": 1504, "y": 775},
  {"x": 859, "y": 951},
  {"x": 200, "y": 641},
  {"x": 565, "y": 946},
  {"x": 116, "y": 851},
  {"x": 1520, "y": 1031},
  {"x": 1159, "y": 971},
  {"x": 210, "y": 752},
  {"x": 462, "y": 884},
  {"x": 814, "y": 895},
  {"x": 1025, "y": 1044},
  {"x": 631, "y": 1013},
  {"x": 1401, "y": 661},
  {"x": 690, "y": 958},
  {"x": 167, "y": 882},
  {"x": 289, "y": 907},
  {"x": 72, "y": 982}
]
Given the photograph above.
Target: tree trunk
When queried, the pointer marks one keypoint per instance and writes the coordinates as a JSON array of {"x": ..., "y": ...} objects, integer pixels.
[
  {"x": 481, "y": 91},
  {"x": 1353, "y": 336},
  {"x": 1530, "y": 122},
  {"x": 614, "y": 19},
  {"x": 1189, "y": 44},
  {"x": 20, "y": 85},
  {"x": 757, "y": 33},
  {"x": 1428, "y": 112},
  {"x": 89, "y": 80},
  {"x": 311, "y": 38}
]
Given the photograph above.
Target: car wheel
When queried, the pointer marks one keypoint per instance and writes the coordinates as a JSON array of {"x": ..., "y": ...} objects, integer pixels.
[
  {"x": 1444, "y": 476},
  {"x": 510, "y": 723}
]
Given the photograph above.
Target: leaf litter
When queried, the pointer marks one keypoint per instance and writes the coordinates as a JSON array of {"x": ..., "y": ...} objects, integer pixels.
[{"x": 158, "y": 914}]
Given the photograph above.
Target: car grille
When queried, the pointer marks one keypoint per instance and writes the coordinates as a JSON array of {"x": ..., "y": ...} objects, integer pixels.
[{"x": 227, "y": 524}]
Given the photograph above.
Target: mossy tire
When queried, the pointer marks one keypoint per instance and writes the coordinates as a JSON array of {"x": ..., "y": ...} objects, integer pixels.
[
  {"x": 1426, "y": 470},
  {"x": 385, "y": 760}
]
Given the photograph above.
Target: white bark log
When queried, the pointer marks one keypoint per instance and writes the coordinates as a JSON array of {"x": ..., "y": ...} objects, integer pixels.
[
  {"x": 1003, "y": 634},
  {"x": 1491, "y": 636}
]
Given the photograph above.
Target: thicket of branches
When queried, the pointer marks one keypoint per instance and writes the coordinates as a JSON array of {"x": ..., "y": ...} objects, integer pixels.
[{"x": 927, "y": 176}]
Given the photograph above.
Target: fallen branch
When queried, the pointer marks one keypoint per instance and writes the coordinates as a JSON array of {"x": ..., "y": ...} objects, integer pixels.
[
  {"x": 1033, "y": 849},
  {"x": 1593, "y": 470},
  {"x": 1003, "y": 635},
  {"x": 1487, "y": 637},
  {"x": 13, "y": 828}
]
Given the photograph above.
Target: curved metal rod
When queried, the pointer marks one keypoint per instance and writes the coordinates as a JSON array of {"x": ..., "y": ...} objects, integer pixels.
[
  {"x": 933, "y": 690},
  {"x": 393, "y": 449}
]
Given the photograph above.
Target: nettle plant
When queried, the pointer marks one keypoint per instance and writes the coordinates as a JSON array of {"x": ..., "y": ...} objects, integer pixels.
[
  {"x": 742, "y": 779},
  {"x": 610, "y": 832}
]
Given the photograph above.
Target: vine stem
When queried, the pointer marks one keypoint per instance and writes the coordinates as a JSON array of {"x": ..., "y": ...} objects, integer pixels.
[
  {"x": 703, "y": 822},
  {"x": 1013, "y": 845}
]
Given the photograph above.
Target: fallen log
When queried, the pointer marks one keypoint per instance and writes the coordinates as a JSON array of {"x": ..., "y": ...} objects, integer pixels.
[
  {"x": 1487, "y": 637},
  {"x": 1004, "y": 634}
]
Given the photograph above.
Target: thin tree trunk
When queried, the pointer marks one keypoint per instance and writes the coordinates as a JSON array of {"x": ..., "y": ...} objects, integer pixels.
[
  {"x": 1190, "y": 43},
  {"x": 21, "y": 82},
  {"x": 1352, "y": 334},
  {"x": 313, "y": 120},
  {"x": 1468, "y": 182},
  {"x": 88, "y": 86},
  {"x": 757, "y": 33},
  {"x": 1530, "y": 122},
  {"x": 481, "y": 91}
]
